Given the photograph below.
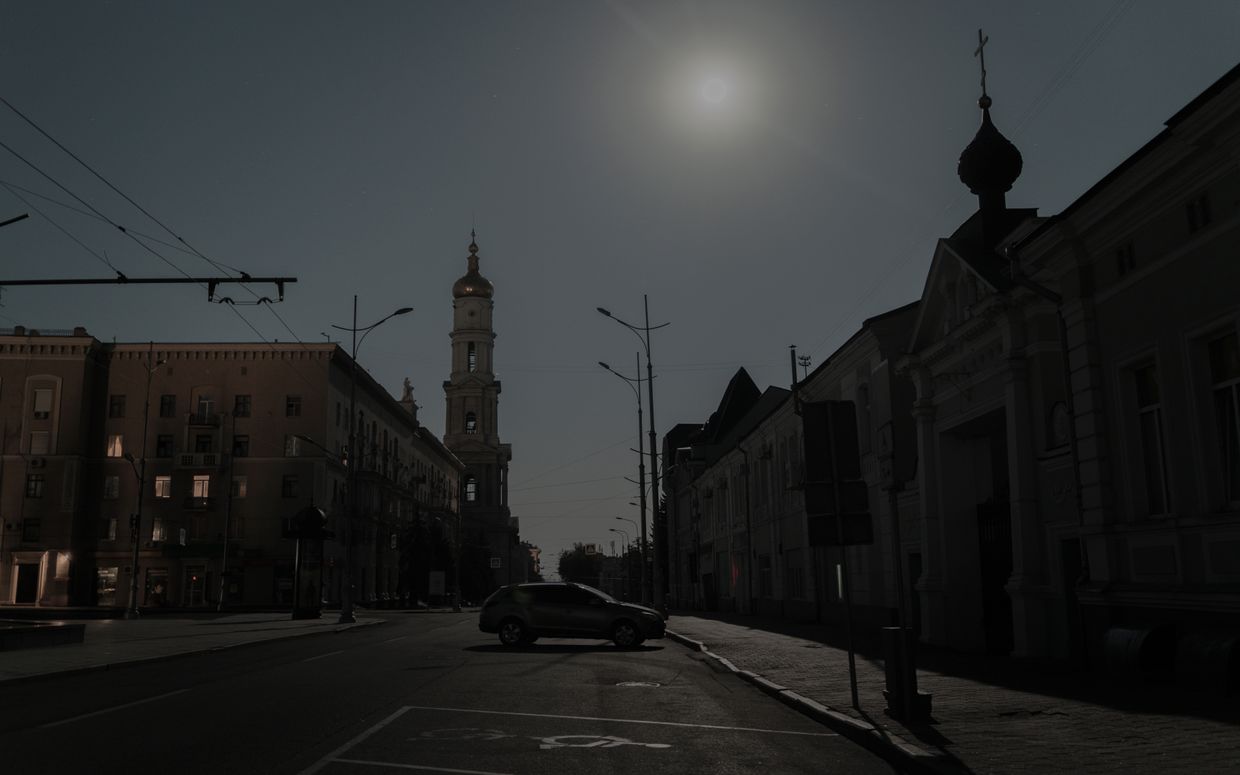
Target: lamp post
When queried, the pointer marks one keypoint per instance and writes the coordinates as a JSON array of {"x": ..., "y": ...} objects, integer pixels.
[
  {"x": 636, "y": 385},
  {"x": 643, "y": 333},
  {"x": 131, "y": 612},
  {"x": 625, "y": 535},
  {"x": 346, "y": 592}
]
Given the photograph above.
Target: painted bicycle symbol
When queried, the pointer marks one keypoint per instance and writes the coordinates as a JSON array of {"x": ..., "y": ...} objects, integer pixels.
[{"x": 544, "y": 743}]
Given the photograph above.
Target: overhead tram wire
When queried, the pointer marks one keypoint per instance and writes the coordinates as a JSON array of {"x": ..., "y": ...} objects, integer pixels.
[{"x": 62, "y": 229}]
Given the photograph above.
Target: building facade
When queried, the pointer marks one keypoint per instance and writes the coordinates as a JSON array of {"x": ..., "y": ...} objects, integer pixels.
[{"x": 227, "y": 441}]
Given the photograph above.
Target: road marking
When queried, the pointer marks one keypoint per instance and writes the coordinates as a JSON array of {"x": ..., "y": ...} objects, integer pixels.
[
  {"x": 109, "y": 710},
  {"x": 321, "y": 763},
  {"x": 418, "y": 767},
  {"x": 321, "y": 656},
  {"x": 592, "y": 741},
  {"x": 393, "y": 640},
  {"x": 624, "y": 721}
]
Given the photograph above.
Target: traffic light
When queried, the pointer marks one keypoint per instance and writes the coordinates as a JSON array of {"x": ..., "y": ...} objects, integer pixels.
[{"x": 837, "y": 499}]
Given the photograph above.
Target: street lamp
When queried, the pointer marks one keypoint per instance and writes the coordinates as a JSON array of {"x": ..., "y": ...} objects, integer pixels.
[
  {"x": 627, "y": 580},
  {"x": 643, "y": 333},
  {"x": 635, "y": 385},
  {"x": 346, "y": 592},
  {"x": 131, "y": 612}
]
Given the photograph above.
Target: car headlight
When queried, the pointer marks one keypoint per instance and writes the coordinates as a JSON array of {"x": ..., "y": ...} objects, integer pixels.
[{"x": 651, "y": 614}]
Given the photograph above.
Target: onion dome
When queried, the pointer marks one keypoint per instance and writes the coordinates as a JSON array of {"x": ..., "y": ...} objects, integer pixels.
[
  {"x": 990, "y": 164},
  {"x": 473, "y": 283}
]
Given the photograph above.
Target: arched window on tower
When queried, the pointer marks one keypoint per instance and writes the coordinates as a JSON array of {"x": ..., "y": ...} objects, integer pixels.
[
  {"x": 471, "y": 490},
  {"x": 471, "y": 422},
  {"x": 472, "y": 356}
]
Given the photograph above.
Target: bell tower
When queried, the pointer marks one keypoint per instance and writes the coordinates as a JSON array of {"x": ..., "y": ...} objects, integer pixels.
[{"x": 472, "y": 431}]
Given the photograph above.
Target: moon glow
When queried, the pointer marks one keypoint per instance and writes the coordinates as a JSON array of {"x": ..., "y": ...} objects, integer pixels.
[{"x": 714, "y": 91}]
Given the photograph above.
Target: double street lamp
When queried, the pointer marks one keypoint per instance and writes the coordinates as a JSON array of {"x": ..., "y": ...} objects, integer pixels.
[
  {"x": 636, "y": 385},
  {"x": 354, "y": 458},
  {"x": 643, "y": 334}
]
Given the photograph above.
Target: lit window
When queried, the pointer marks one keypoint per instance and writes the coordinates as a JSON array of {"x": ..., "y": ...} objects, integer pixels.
[
  {"x": 471, "y": 422},
  {"x": 109, "y": 529},
  {"x": 157, "y": 530},
  {"x": 163, "y": 487},
  {"x": 1225, "y": 384},
  {"x": 1149, "y": 414},
  {"x": 116, "y": 445},
  {"x": 471, "y": 490},
  {"x": 111, "y": 487},
  {"x": 202, "y": 485},
  {"x": 292, "y": 446},
  {"x": 473, "y": 356}
]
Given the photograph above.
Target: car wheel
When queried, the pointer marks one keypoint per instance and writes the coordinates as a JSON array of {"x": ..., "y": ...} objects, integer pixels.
[
  {"x": 625, "y": 635},
  {"x": 511, "y": 632}
]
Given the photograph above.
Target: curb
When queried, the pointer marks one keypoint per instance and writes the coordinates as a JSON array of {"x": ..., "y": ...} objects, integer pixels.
[
  {"x": 117, "y": 665},
  {"x": 891, "y": 749}
]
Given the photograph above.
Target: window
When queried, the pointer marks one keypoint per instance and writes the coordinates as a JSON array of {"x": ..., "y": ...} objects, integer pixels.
[
  {"x": 40, "y": 442},
  {"x": 163, "y": 445},
  {"x": 206, "y": 408},
  {"x": 168, "y": 405},
  {"x": 337, "y": 414},
  {"x": 471, "y": 422},
  {"x": 116, "y": 445},
  {"x": 42, "y": 404},
  {"x": 1125, "y": 259},
  {"x": 202, "y": 485},
  {"x": 241, "y": 446},
  {"x": 111, "y": 487},
  {"x": 241, "y": 406},
  {"x": 239, "y": 484},
  {"x": 236, "y": 526},
  {"x": 1225, "y": 384},
  {"x": 158, "y": 533},
  {"x": 288, "y": 487},
  {"x": 1198, "y": 210},
  {"x": 108, "y": 531},
  {"x": 292, "y": 406},
  {"x": 471, "y": 490},
  {"x": 203, "y": 442},
  {"x": 163, "y": 487},
  {"x": 292, "y": 446},
  {"x": 765, "y": 588},
  {"x": 34, "y": 485},
  {"x": 1149, "y": 416},
  {"x": 472, "y": 356},
  {"x": 32, "y": 529},
  {"x": 116, "y": 406}
]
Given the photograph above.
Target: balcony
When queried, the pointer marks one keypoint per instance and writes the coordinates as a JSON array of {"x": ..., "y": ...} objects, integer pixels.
[
  {"x": 199, "y": 504},
  {"x": 199, "y": 459}
]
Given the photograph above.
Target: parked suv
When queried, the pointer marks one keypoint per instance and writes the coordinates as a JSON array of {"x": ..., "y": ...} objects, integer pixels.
[{"x": 521, "y": 613}]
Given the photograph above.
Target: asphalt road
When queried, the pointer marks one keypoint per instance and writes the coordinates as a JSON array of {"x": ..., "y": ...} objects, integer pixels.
[{"x": 423, "y": 693}]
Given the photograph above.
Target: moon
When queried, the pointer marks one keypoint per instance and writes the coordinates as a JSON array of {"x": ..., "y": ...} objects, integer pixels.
[{"x": 714, "y": 91}]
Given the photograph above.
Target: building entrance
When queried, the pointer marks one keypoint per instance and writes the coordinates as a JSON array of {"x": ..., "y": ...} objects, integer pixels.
[{"x": 27, "y": 591}]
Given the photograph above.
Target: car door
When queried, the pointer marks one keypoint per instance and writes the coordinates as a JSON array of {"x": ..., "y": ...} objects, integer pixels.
[
  {"x": 591, "y": 615},
  {"x": 549, "y": 611}
]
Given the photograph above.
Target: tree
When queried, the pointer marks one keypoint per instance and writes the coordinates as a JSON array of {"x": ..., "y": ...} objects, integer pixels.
[{"x": 576, "y": 565}]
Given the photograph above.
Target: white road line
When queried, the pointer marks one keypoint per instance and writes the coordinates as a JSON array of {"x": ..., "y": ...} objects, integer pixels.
[
  {"x": 109, "y": 710},
  {"x": 418, "y": 767},
  {"x": 321, "y": 763},
  {"x": 393, "y": 640},
  {"x": 320, "y": 656},
  {"x": 625, "y": 721}
]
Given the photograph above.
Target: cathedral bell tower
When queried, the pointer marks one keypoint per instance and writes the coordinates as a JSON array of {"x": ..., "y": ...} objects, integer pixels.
[{"x": 472, "y": 432}]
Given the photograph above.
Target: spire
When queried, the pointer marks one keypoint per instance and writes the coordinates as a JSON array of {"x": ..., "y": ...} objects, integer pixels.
[
  {"x": 473, "y": 283},
  {"x": 990, "y": 164}
]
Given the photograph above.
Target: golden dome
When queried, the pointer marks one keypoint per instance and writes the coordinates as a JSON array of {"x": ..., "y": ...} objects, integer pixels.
[{"x": 473, "y": 283}]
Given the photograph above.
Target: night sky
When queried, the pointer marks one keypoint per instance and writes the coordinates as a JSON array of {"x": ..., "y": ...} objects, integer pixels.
[{"x": 769, "y": 173}]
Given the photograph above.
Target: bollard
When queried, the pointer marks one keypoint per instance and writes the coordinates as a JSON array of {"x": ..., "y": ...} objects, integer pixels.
[{"x": 901, "y": 669}]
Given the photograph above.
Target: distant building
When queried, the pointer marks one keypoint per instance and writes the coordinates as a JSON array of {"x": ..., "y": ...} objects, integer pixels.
[
  {"x": 238, "y": 438},
  {"x": 492, "y": 553}
]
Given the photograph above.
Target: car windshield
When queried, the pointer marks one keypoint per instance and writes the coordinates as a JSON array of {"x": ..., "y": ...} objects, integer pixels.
[{"x": 598, "y": 592}]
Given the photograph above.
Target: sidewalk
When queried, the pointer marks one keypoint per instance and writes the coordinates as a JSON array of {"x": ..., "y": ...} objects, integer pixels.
[
  {"x": 112, "y": 642},
  {"x": 990, "y": 715}
]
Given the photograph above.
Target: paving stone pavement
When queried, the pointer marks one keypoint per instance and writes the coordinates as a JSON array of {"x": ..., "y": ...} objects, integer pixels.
[{"x": 990, "y": 714}]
